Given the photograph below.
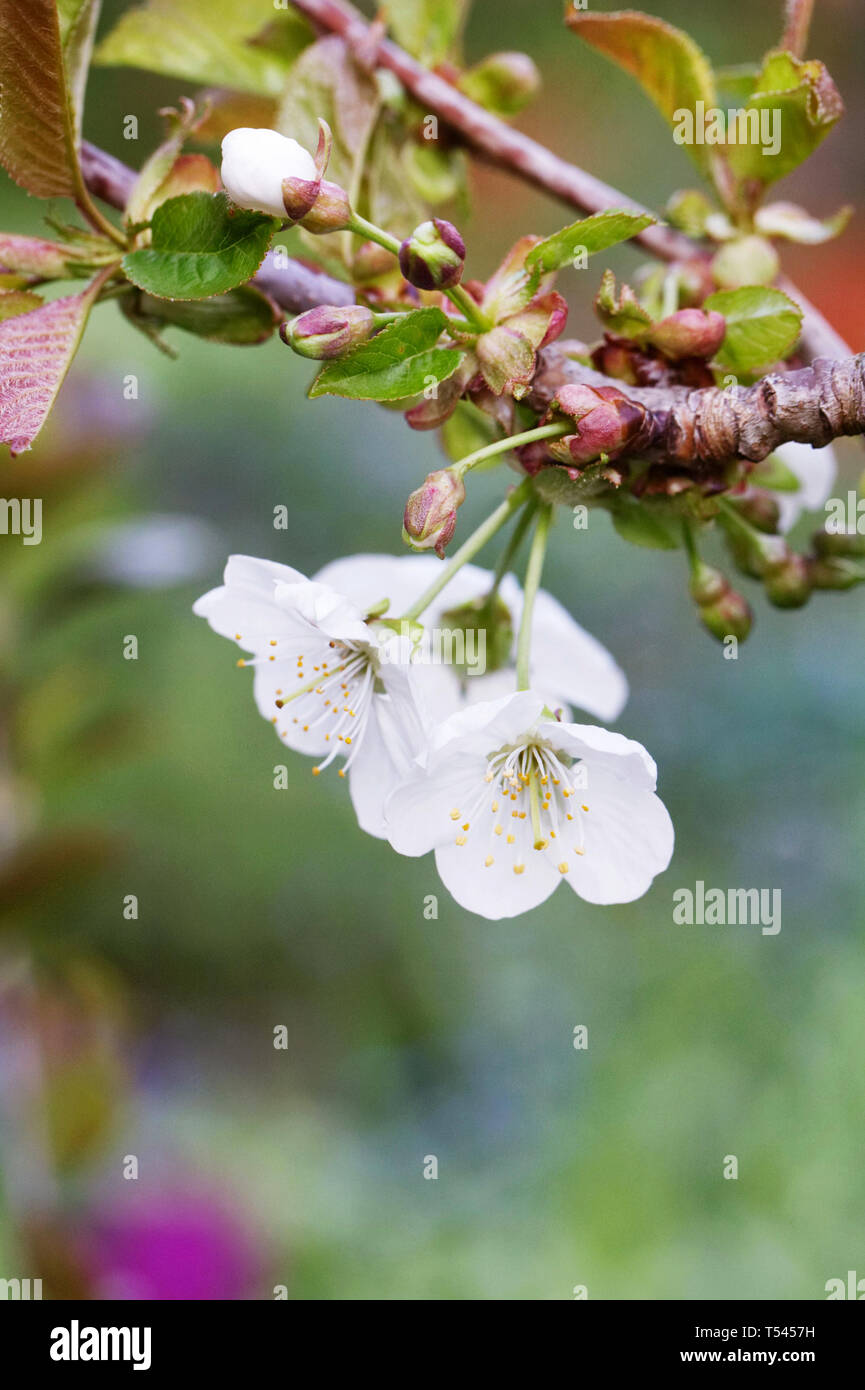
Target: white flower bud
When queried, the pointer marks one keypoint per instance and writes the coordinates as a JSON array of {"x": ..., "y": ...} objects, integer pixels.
[{"x": 254, "y": 164}]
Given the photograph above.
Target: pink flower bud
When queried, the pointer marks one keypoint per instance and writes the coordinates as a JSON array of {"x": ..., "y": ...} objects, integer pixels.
[
  {"x": 328, "y": 330},
  {"x": 431, "y": 512},
  {"x": 432, "y": 258},
  {"x": 607, "y": 422},
  {"x": 331, "y": 211},
  {"x": 689, "y": 333}
]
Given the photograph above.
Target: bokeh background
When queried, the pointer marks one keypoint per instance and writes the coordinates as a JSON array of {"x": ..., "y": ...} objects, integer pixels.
[{"x": 409, "y": 1037}]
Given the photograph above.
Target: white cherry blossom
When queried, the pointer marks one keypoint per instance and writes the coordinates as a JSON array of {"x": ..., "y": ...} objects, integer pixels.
[
  {"x": 319, "y": 676},
  {"x": 512, "y": 802},
  {"x": 254, "y": 164}
]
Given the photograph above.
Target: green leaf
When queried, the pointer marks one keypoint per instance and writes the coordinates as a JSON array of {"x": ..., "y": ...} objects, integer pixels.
[
  {"x": 427, "y": 28},
  {"x": 799, "y": 103},
  {"x": 592, "y": 234},
  {"x": 763, "y": 326},
  {"x": 243, "y": 316},
  {"x": 399, "y": 362},
  {"x": 672, "y": 70},
  {"x": 208, "y": 41},
  {"x": 642, "y": 524},
  {"x": 200, "y": 247},
  {"x": 37, "y": 121}
]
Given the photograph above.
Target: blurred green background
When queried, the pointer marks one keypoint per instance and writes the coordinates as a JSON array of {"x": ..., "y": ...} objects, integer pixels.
[{"x": 257, "y": 908}]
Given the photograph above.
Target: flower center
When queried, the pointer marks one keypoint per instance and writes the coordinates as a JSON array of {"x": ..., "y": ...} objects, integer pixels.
[
  {"x": 335, "y": 694},
  {"x": 533, "y": 800}
]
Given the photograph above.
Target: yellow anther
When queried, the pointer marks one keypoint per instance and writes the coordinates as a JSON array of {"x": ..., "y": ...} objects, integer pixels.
[
  {"x": 488, "y": 861},
  {"x": 511, "y": 839},
  {"x": 497, "y": 830},
  {"x": 460, "y": 839},
  {"x": 519, "y": 868},
  {"x": 585, "y": 808},
  {"x": 563, "y": 868},
  {"x": 455, "y": 815}
]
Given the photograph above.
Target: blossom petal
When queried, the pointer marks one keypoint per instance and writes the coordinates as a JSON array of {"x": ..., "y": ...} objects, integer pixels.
[
  {"x": 627, "y": 838},
  {"x": 494, "y": 890}
]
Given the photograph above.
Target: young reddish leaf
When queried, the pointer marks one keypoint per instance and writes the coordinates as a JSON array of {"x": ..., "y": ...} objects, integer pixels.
[
  {"x": 672, "y": 70},
  {"x": 36, "y": 350},
  {"x": 37, "y": 121},
  {"x": 78, "y": 20},
  {"x": 34, "y": 259}
]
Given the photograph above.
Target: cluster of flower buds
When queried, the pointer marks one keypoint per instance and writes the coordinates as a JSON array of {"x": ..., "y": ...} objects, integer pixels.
[
  {"x": 329, "y": 330},
  {"x": 786, "y": 575},
  {"x": 268, "y": 172},
  {"x": 674, "y": 350},
  {"x": 723, "y": 611},
  {"x": 433, "y": 257},
  {"x": 430, "y": 516},
  {"x": 607, "y": 424}
]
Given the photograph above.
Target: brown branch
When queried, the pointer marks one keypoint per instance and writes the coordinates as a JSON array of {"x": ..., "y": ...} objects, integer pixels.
[
  {"x": 293, "y": 285},
  {"x": 711, "y": 426},
  {"x": 797, "y": 23},
  {"x": 508, "y": 149},
  {"x": 687, "y": 427}
]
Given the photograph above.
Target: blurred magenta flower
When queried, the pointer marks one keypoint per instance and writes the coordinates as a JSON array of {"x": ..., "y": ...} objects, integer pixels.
[{"x": 176, "y": 1245}]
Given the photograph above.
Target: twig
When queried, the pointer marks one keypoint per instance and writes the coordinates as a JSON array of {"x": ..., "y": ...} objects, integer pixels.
[
  {"x": 508, "y": 149},
  {"x": 707, "y": 427},
  {"x": 797, "y": 23}
]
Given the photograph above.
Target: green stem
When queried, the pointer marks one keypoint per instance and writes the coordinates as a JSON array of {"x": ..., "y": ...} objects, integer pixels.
[
  {"x": 98, "y": 222},
  {"x": 504, "y": 446},
  {"x": 690, "y": 545},
  {"x": 457, "y": 295},
  {"x": 470, "y": 547},
  {"x": 534, "y": 571},
  {"x": 463, "y": 300},
  {"x": 733, "y": 519},
  {"x": 506, "y": 559},
  {"x": 371, "y": 232}
]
